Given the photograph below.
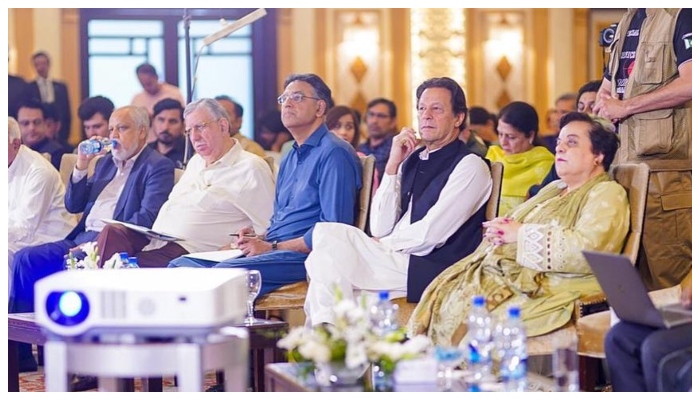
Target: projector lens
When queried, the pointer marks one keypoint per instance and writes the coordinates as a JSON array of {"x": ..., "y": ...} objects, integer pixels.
[
  {"x": 70, "y": 304},
  {"x": 67, "y": 308}
]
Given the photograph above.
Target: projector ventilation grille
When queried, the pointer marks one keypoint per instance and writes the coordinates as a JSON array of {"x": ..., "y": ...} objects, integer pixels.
[{"x": 113, "y": 305}]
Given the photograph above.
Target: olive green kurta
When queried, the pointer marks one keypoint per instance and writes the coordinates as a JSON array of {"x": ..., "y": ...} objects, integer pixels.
[{"x": 543, "y": 273}]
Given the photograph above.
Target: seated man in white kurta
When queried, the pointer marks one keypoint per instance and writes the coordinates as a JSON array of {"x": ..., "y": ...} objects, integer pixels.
[
  {"x": 425, "y": 215},
  {"x": 224, "y": 189},
  {"x": 36, "y": 213}
]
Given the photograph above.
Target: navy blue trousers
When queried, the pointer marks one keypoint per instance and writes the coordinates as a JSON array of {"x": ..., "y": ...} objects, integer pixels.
[
  {"x": 634, "y": 351},
  {"x": 277, "y": 268},
  {"x": 31, "y": 264}
]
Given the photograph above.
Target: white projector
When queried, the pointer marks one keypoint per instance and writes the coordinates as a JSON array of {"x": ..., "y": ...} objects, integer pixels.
[{"x": 158, "y": 302}]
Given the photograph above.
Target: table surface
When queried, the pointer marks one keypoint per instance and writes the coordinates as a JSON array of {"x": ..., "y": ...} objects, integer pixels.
[
  {"x": 22, "y": 327},
  {"x": 284, "y": 377}
]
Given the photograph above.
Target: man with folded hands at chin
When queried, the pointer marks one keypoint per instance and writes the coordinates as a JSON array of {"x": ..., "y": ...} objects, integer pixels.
[{"x": 426, "y": 214}]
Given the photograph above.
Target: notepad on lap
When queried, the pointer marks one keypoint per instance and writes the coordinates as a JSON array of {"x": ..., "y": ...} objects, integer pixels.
[
  {"x": 216, "y": 256},
  {"x": 146, "y": 231}
]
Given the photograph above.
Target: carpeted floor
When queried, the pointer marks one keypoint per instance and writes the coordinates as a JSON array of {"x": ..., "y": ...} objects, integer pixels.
[{"x": 34, "y": 382}]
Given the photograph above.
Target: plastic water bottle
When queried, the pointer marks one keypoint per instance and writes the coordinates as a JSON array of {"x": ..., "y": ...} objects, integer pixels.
[
  {"x": 383, "y": 319},
  {"x": 124, "y": 256},
  {"x": 383, "y": 315},
  {"x": 511, "y": 351},
  {"x": 94, "y": 146},
  {"x": 479, "y": 344},
  {"x": 133, "y": 262}
]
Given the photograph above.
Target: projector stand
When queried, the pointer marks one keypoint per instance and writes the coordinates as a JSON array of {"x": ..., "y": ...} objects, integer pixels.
[{"x": 225, "y": 350}]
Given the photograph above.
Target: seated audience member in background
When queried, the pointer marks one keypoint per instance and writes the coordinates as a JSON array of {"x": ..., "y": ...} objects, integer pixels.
[
  {"x": 585, "y": 101},
  {"x": 380, "y": 118},
  {"x": 53, "y": 125},
  {"x": 32, "y": 123},
  {"x": 473, "y": 142},
  {"x": 343, "y": 121},
  {"x": 273, "y": 134},
  {"x": 525, "y": 162},
  {"x": 635, "y": 352},
  {"x": 483, "y": 123},
  {"x": 94, "y": 113},
  {"x": 426, "y": 215},
  {"x": 224, "y": 189},
  {"x": 587, "y": 95},
  {"x": 36, "y": 213},
  {"x": 235, "y": 113},
  {"x": 532, "y": 256},
  {"x": 564, "y": 104},
  {"x": 318, "y": 181},
  {"x": 170, "y": 131},
  {"x": 130, "y": 184}
]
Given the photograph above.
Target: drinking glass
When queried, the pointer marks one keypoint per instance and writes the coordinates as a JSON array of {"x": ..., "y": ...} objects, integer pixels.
[
  {"x": 565, "y": 362},
  {"x": 254, "y": 281},
  {"x": 448, "y": 358}
]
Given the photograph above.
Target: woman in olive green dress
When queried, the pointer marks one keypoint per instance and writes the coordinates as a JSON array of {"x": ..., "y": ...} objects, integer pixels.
[{"x": 532, "y": 256}]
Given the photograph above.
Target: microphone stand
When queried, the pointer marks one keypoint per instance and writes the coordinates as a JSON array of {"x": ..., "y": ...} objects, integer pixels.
[
  {"x": 188, "y": 68},
  {"x": 218, "y": 35}
]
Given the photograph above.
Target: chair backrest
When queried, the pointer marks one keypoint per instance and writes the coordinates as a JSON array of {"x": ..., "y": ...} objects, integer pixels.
[
  {"x": 68, "y": 161},
  {"x": 178, "y": 174},
  {"x": 365, "y": 195},
  {"x": 272, "y": 164},
  {"x": 497, "y": 178},
  {"x": 635, "y": 179}
]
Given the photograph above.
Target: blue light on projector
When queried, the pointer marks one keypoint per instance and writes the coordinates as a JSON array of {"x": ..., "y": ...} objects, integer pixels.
[{"x": 67, "y": 308}]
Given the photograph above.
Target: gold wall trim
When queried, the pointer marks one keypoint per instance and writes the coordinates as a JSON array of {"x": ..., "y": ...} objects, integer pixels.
[
  {"x": 70, "y": 65},
  {"x": 542, "y": 71},
  {"x": 580, "y": 44},
  {"x": 24, "y": 35}
]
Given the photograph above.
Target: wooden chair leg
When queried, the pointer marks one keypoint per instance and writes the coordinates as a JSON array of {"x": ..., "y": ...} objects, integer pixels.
[{"x": 589, "y": 371}]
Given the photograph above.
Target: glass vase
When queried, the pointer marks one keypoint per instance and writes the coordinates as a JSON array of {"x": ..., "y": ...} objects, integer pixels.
[
  {"x": 382, "y": 378},
  {"x": 337, "y": 374}
]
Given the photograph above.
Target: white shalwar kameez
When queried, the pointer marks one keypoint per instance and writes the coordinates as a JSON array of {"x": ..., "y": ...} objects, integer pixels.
[{"x": 345, "y": 257}]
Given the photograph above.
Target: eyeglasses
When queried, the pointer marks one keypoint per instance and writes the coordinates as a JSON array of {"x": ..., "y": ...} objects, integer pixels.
[
  {"x": 294, "y": 97},
  {"x": 198, "y": 128},
  {"x": 371, "y": 114}
]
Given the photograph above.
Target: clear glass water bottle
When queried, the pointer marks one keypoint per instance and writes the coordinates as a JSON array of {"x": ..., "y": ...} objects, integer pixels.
[
  {"x": 94, "y": 145},
  {"x": 510, "y": 343}
]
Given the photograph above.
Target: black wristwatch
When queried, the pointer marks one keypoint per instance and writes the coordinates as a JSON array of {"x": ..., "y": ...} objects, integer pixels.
[{"x": 274, "y": 245}]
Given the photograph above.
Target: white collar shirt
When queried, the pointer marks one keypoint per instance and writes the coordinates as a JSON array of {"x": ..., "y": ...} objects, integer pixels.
[{"x": 210, "y": 202}]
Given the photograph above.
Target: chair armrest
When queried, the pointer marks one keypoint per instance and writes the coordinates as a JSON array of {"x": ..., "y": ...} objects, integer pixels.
[{"x": 590, "y": 304}]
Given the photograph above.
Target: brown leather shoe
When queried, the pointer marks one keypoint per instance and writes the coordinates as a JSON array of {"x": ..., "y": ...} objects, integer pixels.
[{"x": 81, "y": 383}]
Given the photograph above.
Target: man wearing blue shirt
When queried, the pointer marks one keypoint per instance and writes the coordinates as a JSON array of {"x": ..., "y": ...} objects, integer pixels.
[{"x": 318, "y": 181}]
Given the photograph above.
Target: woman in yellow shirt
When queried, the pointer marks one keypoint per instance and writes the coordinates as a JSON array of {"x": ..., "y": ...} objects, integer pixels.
[{"x": 525, "y": 162}]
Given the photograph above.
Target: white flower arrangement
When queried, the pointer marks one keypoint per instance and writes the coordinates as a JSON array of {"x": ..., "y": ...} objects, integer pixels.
[
  {"x": 350, "y": 339},
  {"x": 92, "y": 259}
]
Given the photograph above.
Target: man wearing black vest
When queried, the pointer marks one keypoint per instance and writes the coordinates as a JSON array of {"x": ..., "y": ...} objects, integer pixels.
[{"x": 426, "y": 214}]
